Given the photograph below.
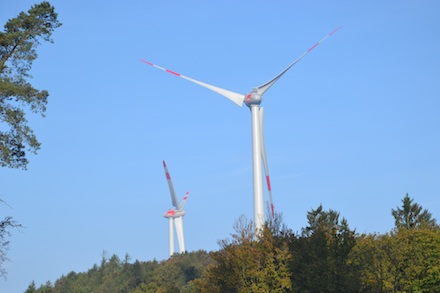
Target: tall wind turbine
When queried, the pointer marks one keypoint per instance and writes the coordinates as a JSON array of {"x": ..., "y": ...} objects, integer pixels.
[
  {"x": 252, "y": 100},
  {"x": 175, "y": 216}
]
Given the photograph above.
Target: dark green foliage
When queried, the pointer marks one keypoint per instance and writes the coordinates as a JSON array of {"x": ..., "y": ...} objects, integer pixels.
[
  {"x": 320, "y": 254},
  {"x": 114, "y": 275},
  {"x": 180, "y": 269},
  {"x": 18, "y": 45},
  {"x": 32, "y": 288},
  {"x": 326, "y": 257},
  {"x": 412, "y": 216}
]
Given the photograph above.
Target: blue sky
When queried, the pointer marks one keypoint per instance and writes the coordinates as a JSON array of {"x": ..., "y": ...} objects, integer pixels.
[{"x": 354, "y": 125}]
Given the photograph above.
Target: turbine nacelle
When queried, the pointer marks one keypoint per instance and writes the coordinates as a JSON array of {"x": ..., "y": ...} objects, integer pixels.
[
  {"x": 253, "y": 98},
  {"x": 174, "y": 213}
]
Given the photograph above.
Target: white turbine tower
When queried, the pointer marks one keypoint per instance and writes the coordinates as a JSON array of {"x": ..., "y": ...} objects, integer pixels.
[
  {"x": 253, "y": 100},
  {"x": 175, "y": 216}
]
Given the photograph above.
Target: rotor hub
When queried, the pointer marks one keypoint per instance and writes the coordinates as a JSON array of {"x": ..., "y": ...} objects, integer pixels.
[{"x": 253, "y": 98}]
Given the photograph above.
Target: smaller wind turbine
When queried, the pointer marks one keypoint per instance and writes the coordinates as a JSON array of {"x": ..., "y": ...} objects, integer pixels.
[{"x": 175, "y": 216}]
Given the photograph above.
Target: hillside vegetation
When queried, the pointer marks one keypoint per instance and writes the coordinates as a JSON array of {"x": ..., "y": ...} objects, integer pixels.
[{"x": 325, "y": 256}]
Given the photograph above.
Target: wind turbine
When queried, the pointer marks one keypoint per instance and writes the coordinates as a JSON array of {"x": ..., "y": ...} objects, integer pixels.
[
  {"x": 175, "y": 216},
  {"x": 253, "y": 100}
]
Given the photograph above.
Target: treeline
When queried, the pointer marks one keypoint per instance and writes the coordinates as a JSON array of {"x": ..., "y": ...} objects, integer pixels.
[
  {"x": 325, "y": 256},
  {"x": 116, "y": 275}
]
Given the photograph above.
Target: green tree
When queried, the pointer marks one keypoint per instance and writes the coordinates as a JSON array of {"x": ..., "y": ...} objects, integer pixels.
[
  {"x": 412, "y": 216},
  {"x": 135, "y": 274},
  {"x": 116, "y": 275},
  {"x": 18, "y": 45},
  {"x": 406, "y": 261},
  {"x": 321, "y": 220},
  {"x": 180, "y": 269},
  {"x": 31, "y": 288},
  {"x": 66, "y": 284},
  {"x": 420, "y": 260},
  {"x": 247, "y": 263},
  {"x": 146, "y": 288},
  {"x": 320, "y": 254},
  {"x": 372, "y": 255}
]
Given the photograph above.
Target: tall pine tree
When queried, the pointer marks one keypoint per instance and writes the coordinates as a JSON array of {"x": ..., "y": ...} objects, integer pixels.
[
  {"x": 412, "y": 216},
  {"x": 18, "y": 45}
]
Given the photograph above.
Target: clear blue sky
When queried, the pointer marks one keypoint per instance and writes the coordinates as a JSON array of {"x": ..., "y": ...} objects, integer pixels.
[{"x": 354, "y": 125}]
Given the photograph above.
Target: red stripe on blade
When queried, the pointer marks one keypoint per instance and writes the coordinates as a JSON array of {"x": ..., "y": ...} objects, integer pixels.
[
  {"x": 172, "y": 72},
  {"x": 149, "y": 63},
  {"x": 334, "y": 31},
  {"x": 268, "y": 183},
  {"x": 313, "y": 47}
]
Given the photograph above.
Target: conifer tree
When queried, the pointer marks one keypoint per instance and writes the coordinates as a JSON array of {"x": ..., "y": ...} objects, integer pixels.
[
  {"x": 412, "y": 216},
  {"x": 18, "y": 44}
]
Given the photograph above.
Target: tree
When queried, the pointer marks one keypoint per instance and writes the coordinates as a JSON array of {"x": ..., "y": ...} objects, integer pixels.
[
  {"x": 420, "y": 260},
  {"x": 406, "y": 261},
  {"x": 32, "y": 288},
  {"x": 18, "y": 45},
  {"x": 18, "y": 42},
  {"x": 372, "y": 256},
  {"x": 248, "y": 263},
  {"x": 320, "y": 254},
  {"x": 321, "y": 220},
  {"x": 116, "y": 275},
  {"x": 412, "y": 216},
  {"x": 5, "y": 225}
]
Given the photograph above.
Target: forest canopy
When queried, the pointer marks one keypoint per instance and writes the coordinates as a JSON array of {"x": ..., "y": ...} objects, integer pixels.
[{"x": 326, "y": 256}]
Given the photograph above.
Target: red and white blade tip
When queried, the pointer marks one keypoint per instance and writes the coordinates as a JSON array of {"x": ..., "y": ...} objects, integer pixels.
[
  {"x": 334, "y": 30},
  {"x": 159, "y": 67},
  {"x": 331, "y": 33}
]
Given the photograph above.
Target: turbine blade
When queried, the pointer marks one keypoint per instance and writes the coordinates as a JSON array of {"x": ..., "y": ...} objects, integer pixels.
[
  {"x": 233, "y": 96},
  {"x": 263, "y": 88},
  {"x": 182, "y": 205},
  {"x": 179, "y": 229},
  {"x": 170, "y": 185},
  {"x": 266, "y": 167}
]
